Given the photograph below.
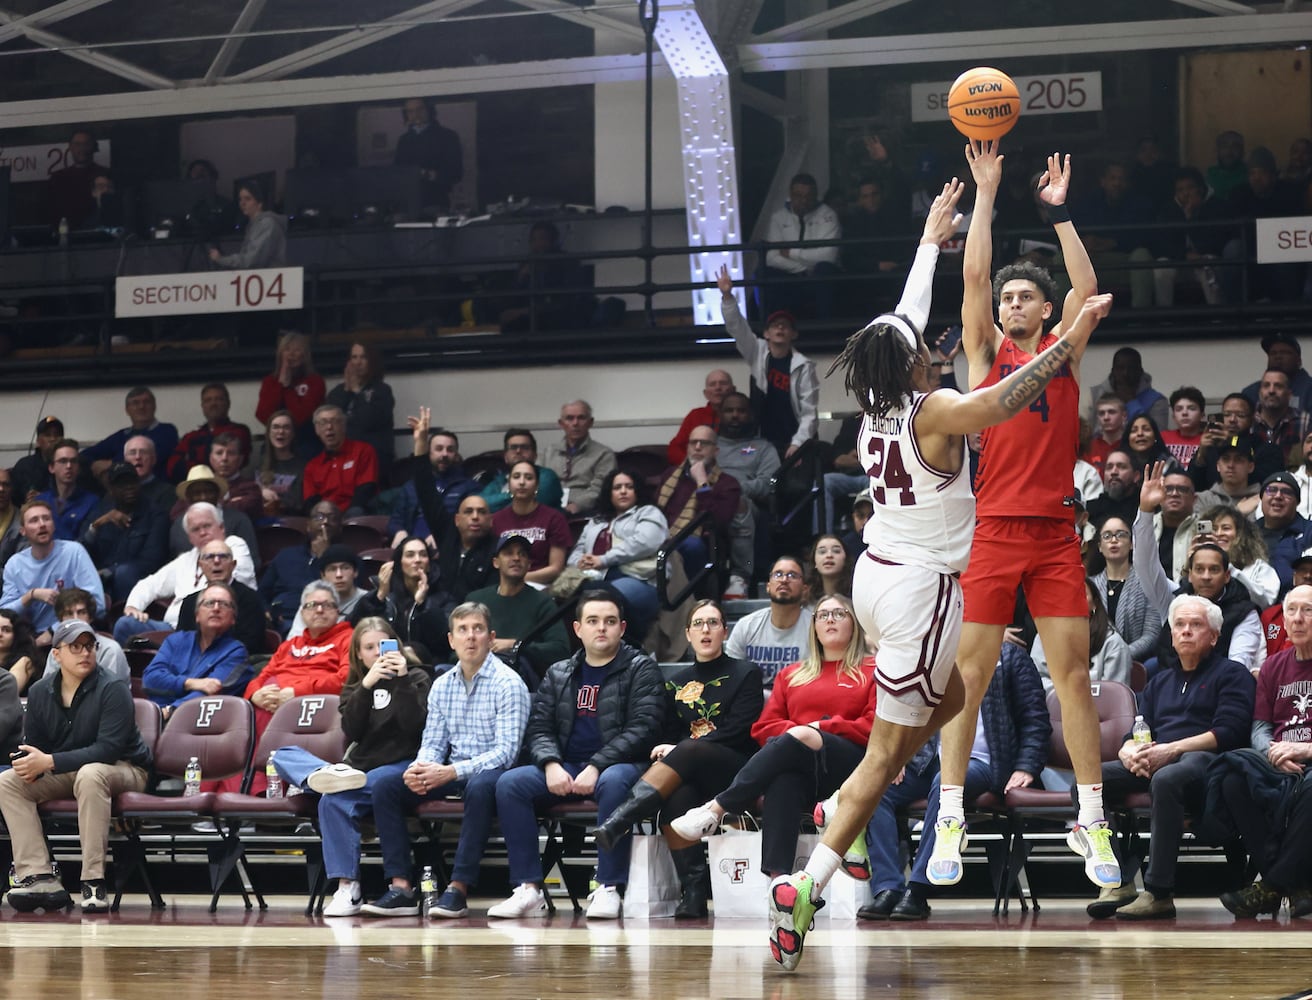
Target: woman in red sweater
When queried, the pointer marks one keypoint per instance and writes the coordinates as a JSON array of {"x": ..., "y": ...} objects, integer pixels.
[
  {"x": 813, "y": 733},
  {"x": 293, "y": 386}
]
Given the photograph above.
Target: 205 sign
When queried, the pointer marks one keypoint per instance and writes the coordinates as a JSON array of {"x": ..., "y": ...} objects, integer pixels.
[{"x": 1056, "y": 94}]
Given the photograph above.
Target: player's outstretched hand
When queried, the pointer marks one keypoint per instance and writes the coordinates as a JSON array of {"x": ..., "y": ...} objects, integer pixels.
[
  {"x": 1056, "y": 180},
  {"x": 724, "y": 281},
  {"x": 1153, "y": 491},
  {"x": 943, "y": 218},
  {"x": 985, "y": 163}
]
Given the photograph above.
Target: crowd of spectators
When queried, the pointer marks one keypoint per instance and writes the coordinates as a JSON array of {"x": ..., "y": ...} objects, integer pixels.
[{"x": 1199, "y": 557}]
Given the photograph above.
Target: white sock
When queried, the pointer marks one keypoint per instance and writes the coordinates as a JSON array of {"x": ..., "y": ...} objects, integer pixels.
[
  {"x": 822, "y": 865},
  {"x": 950, "y": 805},
  {"x": 1091, "y": 810}
]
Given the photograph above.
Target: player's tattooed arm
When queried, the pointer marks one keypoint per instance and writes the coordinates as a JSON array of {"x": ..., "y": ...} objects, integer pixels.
[{"x": 1025, "y": 385}]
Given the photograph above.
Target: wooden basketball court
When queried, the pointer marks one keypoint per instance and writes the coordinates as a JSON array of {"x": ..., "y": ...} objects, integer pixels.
[{"x": 963, "y": 951}]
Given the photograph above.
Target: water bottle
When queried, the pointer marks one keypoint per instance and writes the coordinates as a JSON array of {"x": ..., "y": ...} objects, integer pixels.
[
  {"x": 1140, "y": 733},
  {"x": 191, "y": 777},
  {"x": 274, "y": 790},
  {"x": 427, "y": 891}
]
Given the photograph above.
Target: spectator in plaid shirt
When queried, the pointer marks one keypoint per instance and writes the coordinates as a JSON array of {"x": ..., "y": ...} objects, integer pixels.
[{"x": 477, "y": 713}]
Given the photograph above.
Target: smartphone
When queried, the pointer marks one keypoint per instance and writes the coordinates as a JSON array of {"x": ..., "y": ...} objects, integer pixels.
[
  {"x": 389, "y": 646},
  {"x": 17, "y": 754},
  {"x": 1215, "y": 422},
  {"x": 1203, "y": 527},
  {"x": 948, "y": 342}
]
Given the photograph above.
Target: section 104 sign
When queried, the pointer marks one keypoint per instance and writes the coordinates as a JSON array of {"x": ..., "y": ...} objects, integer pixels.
[
  {"x": 193, "y": 293},
  {"x": 1058, "y": 94}
]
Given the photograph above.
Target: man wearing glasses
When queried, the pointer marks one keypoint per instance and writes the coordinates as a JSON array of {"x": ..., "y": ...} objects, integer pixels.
[
  {"x": 67, "y": 499},
  {"x": 1286, "y": 533},
  {"x": 1173, "y": 524},
  {"x": 520, "y": 445},
  {"x": 291, "y": 569},
  {"x": 346, "y": 471},
  {"x": 75, "y": 604},
  {"x": 315, "y": 662},
  {"x": 1206, "y": 574},
  {"x": 219, "y": 566},
  {"x": 776, "y": 636},
  {"x": 81, "y": 742},
  {"x": 206, "y": 661}
]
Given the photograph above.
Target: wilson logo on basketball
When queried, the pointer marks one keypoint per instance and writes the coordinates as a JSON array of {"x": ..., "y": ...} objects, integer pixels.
[{"x": 990, "y": 112}]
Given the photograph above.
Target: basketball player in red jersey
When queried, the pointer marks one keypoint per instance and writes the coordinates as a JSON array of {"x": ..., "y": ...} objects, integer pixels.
[{"x": 1025, "y": 529}]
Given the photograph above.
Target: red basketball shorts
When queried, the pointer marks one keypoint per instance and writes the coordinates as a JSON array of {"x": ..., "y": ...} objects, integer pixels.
[{"x": 1041, "y": 554}]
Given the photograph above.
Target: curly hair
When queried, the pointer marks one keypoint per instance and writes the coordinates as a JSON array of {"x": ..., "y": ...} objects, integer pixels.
[
  {"x": 1025, "y": 271},
  {"x": 1248, "y": 546},
  {"x": 878, "y": 367}
]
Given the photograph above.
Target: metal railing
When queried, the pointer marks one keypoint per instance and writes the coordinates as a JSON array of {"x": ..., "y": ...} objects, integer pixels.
[{"x": 696, "y": 574}]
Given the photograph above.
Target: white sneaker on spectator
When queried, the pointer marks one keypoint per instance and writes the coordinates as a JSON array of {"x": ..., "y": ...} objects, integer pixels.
[
  {"x": 737, "y": 589},
  {"x": 336, "y": 778},
  {"x": 346, "y": 901},
  {"x": 696, "y": 823},
  {"x": 526, "y": 901},
  {"x": 604, "y": 903}
]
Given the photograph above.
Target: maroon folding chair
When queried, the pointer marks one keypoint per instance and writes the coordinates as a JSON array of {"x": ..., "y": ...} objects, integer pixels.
[
  {"x": 219, "y": 731},
  {"x": 314, "y": 723}
]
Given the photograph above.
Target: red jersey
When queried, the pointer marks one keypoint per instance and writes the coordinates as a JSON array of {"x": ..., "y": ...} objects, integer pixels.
[
  {"x": 1027, "y": 463},
  {"x": 1182, "y": 448}
]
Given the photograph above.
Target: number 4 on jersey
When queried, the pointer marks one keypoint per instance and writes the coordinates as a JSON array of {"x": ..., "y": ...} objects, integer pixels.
[{"x": 887, "y": 471}]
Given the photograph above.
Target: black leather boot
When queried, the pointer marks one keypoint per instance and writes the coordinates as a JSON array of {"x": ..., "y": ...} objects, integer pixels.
[
  {"x": 694, "y": 878},
  {"x": 644, "y": 801}
]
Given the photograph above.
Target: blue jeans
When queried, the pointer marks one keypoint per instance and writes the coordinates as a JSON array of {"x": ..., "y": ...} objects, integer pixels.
[
  {"x": 882, "y": 833},
  {"x": 394, "y": 802},
  {"x": 978, "y": 777},
  {"x": 522, "y": 789},
  {"x": 643, "y": 603},
  {"x": 340, "y": 812},
  {"x": 127, "y": 626},
  {"x": 841, "y": 484}
]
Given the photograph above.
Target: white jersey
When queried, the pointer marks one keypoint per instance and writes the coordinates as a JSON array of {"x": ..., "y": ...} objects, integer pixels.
[{"x": 923, "y": 516}]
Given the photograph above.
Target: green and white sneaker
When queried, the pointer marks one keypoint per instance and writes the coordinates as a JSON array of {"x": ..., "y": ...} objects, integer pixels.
[
  {"x": 1094, "y": 844},
  {"x": 950, "y": 840},
  {"x": 792, "y": 907}
]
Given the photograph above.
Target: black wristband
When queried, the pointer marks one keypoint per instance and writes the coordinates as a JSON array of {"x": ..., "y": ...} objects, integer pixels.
[{"x": 1058, "y": 214}]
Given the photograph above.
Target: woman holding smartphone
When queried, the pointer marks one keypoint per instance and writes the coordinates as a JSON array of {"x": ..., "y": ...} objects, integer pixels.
[{"x": 384, "y": 705}]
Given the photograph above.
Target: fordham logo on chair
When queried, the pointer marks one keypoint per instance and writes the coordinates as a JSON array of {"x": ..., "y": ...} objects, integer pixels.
[
  {"x": 208, "y": 708},
  {"x": 309, "y": 709}
]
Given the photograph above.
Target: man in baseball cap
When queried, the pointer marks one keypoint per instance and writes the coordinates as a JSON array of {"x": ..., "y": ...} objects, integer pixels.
[
  {"x": 96, "y": 739},
  {"x": 1283, "y": 354},
  {"x": 1236, "y": 457},
  {"x": 32, "y": 472},
  {"x": 1286, "y": 533}
]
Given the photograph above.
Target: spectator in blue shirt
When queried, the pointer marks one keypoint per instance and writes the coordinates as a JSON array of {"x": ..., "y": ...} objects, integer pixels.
[
  {"x": 476, "y": 718},
  {"x": 35, "y": 576},
  {"x": 208, "y": 661},
  {"x": 68, "y": 502},
  {"x": 140, "y": 407}
]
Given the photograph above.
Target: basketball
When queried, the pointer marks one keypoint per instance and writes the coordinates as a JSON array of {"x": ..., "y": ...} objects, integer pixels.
[{"x": 984, "y": 103}]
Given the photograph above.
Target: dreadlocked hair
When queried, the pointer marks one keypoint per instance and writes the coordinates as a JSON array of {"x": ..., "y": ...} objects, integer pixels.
[{"x": 878, "y": 365}]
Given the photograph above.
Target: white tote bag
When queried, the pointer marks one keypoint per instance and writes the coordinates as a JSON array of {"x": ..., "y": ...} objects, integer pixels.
[
  {"x": 653, "y": 889},
  {"x": 740, "y": 889}
]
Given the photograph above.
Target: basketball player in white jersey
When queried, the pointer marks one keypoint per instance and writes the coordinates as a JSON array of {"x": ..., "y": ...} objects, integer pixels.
[{"x": 905, "y": 589}]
